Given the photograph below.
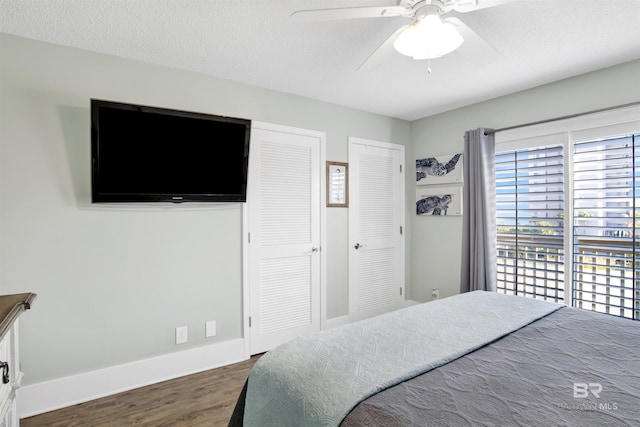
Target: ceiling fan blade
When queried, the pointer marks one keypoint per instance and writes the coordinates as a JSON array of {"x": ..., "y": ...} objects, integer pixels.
[
  {"x": 349, "y": 13},
  {"x": 471, "y": 5},
  {"x": 474, "y": 48},
  {"x": 381, "y": 53}
]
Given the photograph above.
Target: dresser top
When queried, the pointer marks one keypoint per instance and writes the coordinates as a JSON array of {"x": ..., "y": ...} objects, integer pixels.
[{"x": 11, "y": 306}]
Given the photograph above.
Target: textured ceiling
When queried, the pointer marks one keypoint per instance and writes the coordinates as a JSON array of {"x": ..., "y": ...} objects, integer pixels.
[{"x": 256, "y": 42}]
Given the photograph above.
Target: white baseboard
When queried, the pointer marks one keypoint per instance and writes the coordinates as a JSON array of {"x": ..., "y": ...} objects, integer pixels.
[
  {"x": 62, "y": 392},
  {"x": 337, "y": 321},
  {"x": 343, "y": 320}
]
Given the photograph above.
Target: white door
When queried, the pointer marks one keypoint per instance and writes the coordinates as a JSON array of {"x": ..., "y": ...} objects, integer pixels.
[
  {"x": 376, "y": 227},
  {"x": 284, "y": 210}
]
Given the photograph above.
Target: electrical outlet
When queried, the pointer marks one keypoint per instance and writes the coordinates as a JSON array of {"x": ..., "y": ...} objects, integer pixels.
[
  {"x": 435, "y": 293},
  {"x": 181, "y": 335},
  {"x": 210, "y": 329}
]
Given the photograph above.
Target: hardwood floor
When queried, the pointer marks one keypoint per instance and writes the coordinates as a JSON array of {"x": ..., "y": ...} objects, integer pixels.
[{"x": 203, "y": 399}]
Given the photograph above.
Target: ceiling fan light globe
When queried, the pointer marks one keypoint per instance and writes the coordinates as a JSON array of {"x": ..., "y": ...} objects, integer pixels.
[
  {"x": 406, "y": 41},
  {"x": 446, "y": 42},
  {"x": 428, "y": 38}
]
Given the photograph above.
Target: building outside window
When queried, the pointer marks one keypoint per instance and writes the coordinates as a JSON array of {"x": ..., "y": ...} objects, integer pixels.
[{"x": 568, "y": 215}]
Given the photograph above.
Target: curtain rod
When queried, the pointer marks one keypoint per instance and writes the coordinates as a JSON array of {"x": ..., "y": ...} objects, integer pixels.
[{"x": 555, "y": 119}]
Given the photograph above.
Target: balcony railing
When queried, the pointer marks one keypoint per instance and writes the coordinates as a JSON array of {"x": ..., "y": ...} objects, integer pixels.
[
  {"x": 606, "y": 275},
  {"x": 531, "y": 265}
]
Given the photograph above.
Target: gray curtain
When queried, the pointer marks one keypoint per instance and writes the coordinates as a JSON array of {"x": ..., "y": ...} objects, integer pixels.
[{"x": 479, "y": 219}]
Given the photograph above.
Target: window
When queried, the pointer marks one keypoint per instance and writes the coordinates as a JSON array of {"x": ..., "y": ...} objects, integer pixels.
[
  {"x": 530, "y": 212},
  {"x": 606, "y": 271},
  {"x": 568, "y": 214}
]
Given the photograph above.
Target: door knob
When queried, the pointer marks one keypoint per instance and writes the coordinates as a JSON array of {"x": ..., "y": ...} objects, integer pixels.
[
  {"x": 314, "y": 249},
  {"x": 357, "y": 246}
]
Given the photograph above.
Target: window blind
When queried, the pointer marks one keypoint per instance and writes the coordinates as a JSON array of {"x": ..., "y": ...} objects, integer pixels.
[
  {"x": 530, "y": 222},
  {"x": 606, "y": 217}
]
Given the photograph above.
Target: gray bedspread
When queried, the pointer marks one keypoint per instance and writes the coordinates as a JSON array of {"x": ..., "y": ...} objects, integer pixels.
[
  {"x": 317, "y": 379},
  {"x": 571, "y": 368}
]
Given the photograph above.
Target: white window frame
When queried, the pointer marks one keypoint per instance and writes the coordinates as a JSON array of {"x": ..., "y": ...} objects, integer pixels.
[{"x": 610, "y": 123}]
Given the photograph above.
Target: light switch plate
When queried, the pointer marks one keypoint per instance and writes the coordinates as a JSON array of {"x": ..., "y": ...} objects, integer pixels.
[
  {"x": 210, "y": 329},
  {"x": 181, "y": 335}
]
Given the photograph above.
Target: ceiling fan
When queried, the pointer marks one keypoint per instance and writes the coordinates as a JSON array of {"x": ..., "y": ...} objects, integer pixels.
[{"x": 428, "y": 36}]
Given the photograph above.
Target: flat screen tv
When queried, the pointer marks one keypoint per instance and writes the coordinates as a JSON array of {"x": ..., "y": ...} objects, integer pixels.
[{"x": 149, "y": 154}]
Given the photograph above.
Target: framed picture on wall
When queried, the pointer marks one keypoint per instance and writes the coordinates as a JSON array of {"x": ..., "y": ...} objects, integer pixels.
[
  {"x": 439, "y": 170},
  {"x": 439, "y": 201},
  {"x": 337, "y": 184}
]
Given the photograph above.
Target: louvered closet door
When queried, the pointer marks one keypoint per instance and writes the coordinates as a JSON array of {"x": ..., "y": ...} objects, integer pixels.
[
  {"x": 284, "y": 221},
  {"x": 376, "y": 220}
]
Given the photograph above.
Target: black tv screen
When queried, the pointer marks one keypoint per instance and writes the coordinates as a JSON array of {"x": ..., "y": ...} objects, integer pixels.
[{"x": 149, "y": 154}]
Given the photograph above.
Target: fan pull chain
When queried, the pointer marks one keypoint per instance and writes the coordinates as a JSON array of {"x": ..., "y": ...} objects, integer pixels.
[{"x": 429, "y": 67}]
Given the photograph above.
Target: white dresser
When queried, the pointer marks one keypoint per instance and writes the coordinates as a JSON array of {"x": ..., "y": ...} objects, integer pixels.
[{"x": 11, "y": 306}]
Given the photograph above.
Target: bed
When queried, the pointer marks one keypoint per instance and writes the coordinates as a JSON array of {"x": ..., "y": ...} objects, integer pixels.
[{"x": 478, "y": 358}]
